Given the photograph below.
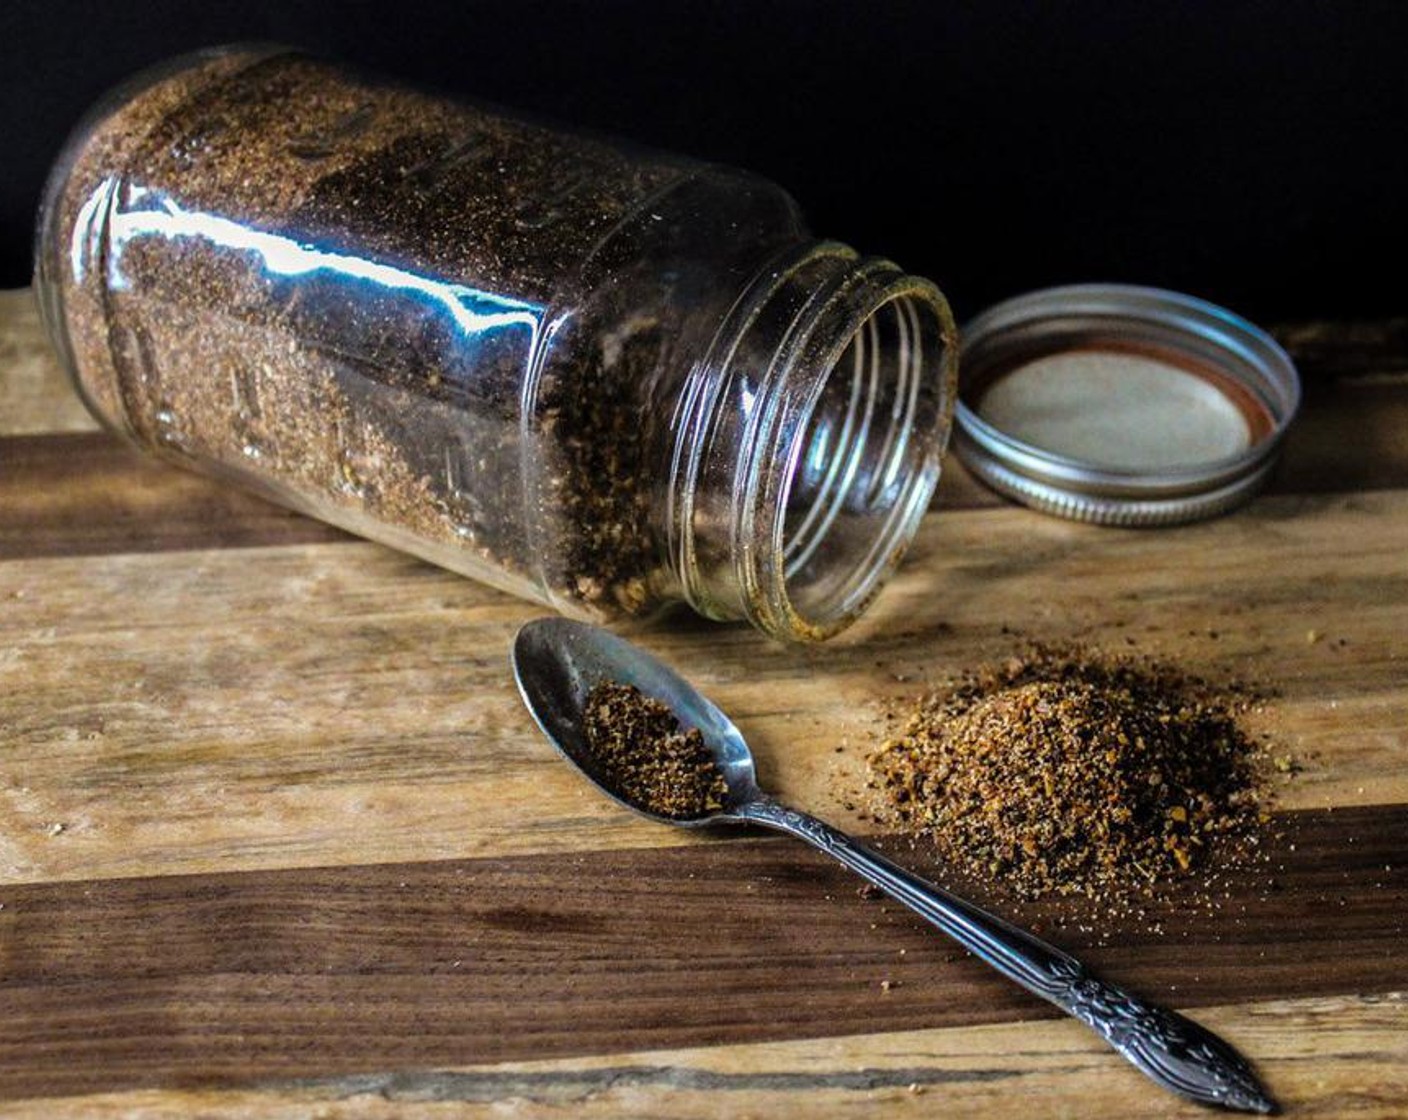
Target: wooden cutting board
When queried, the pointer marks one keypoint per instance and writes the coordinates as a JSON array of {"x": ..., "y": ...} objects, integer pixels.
[{"x": 277, "y": 838}]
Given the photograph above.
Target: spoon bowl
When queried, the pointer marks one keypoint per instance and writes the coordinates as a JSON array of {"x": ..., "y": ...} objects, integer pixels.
[{"x": 557, "y": 663}]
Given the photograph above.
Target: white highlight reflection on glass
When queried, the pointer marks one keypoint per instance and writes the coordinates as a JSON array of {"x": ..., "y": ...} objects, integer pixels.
[{"x": 472, "y": 310}]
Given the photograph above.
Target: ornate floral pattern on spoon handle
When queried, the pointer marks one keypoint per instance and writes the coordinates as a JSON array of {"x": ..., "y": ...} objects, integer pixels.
[{"x": 1173, "y": 1050}]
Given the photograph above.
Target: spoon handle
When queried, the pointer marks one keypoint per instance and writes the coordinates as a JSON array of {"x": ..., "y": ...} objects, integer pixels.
[{"x": 1172, "y": 1050}]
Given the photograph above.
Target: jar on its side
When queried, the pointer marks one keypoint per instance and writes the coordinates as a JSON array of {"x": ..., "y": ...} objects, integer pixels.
[{"x": 599, "y": 377}]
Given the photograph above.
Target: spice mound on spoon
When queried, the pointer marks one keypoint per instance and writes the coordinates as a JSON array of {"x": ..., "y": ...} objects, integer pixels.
[
  {"x": 648, "y": 758},
  {"x": 603, "y": 702}
]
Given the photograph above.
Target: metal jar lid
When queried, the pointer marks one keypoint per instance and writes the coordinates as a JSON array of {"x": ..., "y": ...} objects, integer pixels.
[{"x": 1122, "y": 405}]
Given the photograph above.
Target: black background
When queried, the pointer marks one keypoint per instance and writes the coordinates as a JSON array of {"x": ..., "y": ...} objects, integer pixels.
[{"x": 1252, "y": 153}]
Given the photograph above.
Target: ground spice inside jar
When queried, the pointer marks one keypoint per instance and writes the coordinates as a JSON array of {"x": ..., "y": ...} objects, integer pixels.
[
  {"x": 1069, "y": 771},
  {"x": 647, "y": 758},
  {"x": 299, "y": 268}
]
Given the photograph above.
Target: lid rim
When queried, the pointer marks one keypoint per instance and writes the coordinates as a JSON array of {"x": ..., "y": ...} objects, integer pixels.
[
  {"x": 1122, "y": 510},
  {"x": 1094, "y": 492}
]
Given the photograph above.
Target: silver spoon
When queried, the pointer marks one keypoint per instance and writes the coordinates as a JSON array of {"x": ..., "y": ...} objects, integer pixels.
[{"x": 557, "y": 663}]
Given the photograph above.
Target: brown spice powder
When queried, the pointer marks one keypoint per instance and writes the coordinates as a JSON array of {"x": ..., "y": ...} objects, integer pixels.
[
  {"x": 1067, "y": 771},
  {"x": 363, "y": 404},
  {"x": 647, "y": 758}
]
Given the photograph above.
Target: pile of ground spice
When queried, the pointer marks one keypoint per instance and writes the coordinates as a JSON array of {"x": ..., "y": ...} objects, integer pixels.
[
  {"x": 1069, "y": 771},
  {"x": 647, "y": 758}
]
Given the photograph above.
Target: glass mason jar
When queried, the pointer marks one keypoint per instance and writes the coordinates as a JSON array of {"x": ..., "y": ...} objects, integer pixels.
[{"x": 600, "y": 377}]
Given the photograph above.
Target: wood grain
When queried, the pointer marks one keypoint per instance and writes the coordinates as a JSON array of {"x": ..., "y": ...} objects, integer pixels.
[
  {"x": 327, "y": 704},
  {"x": 1335, "y": 1056},
  {"x": 89, "y": 494},
  {"x": 218, "y": 979},
  {"x": 276, "y": 837},
  {"x": 35, "y": 396},
  {"x": 1367, "y": 348}
]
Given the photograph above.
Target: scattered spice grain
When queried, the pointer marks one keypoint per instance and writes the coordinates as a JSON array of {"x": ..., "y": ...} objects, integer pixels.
[
  {"x": 647, "y": 757},
  {"x": 1068, "y": 771}
]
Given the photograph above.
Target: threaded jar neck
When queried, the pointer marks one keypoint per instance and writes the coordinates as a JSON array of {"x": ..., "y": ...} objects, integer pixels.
[{"x": 809, "y": 440}]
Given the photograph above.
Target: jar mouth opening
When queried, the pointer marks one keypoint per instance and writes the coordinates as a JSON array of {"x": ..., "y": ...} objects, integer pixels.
[
  {"x": 864, "y": 457},
  {"x": 811, "y": 447}
]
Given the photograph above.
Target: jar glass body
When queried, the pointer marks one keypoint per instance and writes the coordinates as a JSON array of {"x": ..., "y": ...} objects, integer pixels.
[{"x": 583, "y": 373}]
